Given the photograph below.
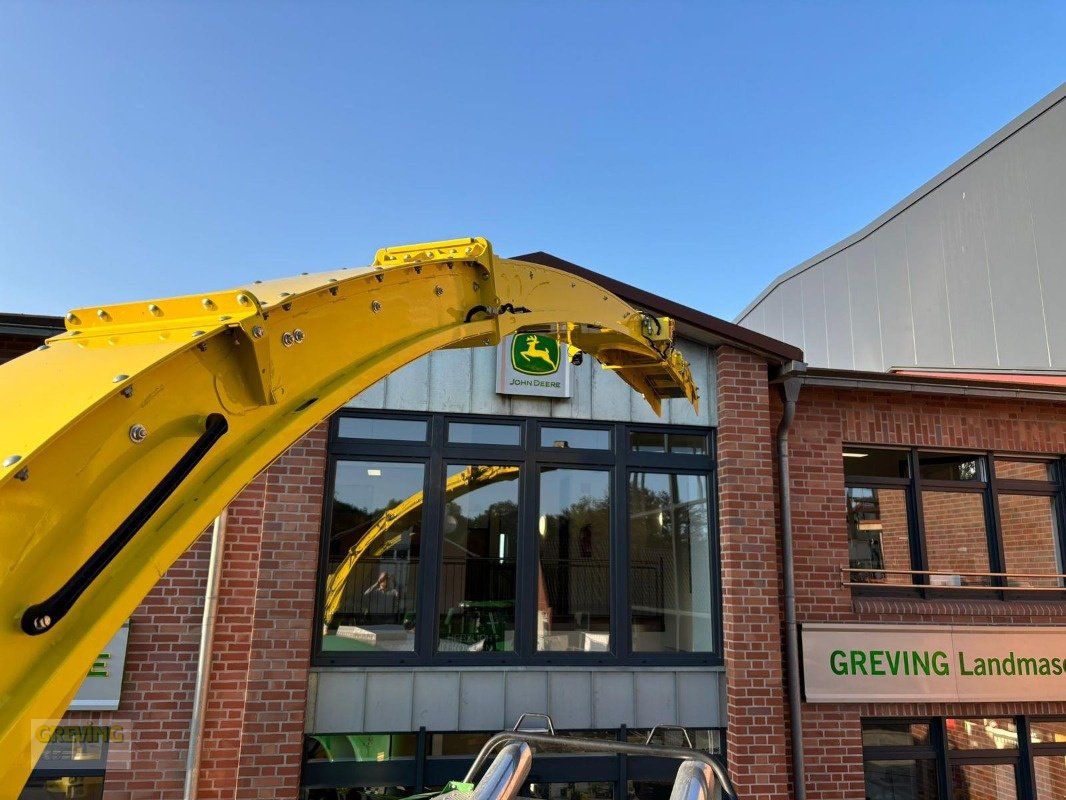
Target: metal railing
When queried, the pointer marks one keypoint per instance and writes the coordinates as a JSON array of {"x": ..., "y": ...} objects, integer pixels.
[{"x": 847, "y": 578}]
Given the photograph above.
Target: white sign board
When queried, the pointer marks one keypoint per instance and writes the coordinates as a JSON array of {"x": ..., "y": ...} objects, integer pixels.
[
  {"x": 102, "y": 687},
  {"x": 845, "y": 663},
  {"x": 532, "y": 364}
]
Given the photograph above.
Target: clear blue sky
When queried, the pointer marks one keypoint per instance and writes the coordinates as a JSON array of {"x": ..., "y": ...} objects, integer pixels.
[{"x": 693, "y": 149}]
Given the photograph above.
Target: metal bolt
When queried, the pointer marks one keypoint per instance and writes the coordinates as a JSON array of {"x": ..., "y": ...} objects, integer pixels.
[
  {"x": 476, "y": 287},
  {"x": 103, "y": 314},
  {"x": 333, "y": 290},
  {"x": 298, "y": 335},
  {"x": 438, "y": 291},
  {"x": 244, "y": 299},
  {"x": 303, "y": 273},
  {"x": 375, "y": 306},
  {"x": 202, "y": 347},
  {"x": 380, "y": 277},
  {"x": 257, "y": 332},
  {"x": 138, "y": 433},
  {"x": 23, "y": 474},
  {"x": 286, "y": 306},
  {"x": 154, "y": 309},
  {"x": 72, "y": 318},
  {"x": 43, "y": 347},
  {"x": 127, "y": 392},
  {"x": 284, "y": 294},
  {"x": 42, "y": 623},
  {"x": 119, "y": 378},
  {"x": 418, "y": 270},
  {"x": 224, "y": 318},
  {"x": 197, "y": 333},
  {"x": 12, "y": 460},
  {"x": 207, "y": 303},
  {"x": 256, "y": 281},
  {"x": 287, "y": 339}
]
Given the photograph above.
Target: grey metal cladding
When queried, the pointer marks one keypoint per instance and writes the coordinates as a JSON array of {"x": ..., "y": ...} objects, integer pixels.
[
  {"x": 968, "y": 271},
  {"x": 464, "y": 382}
]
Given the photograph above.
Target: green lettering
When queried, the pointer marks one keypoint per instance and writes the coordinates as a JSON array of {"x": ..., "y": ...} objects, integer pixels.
[
  {"x": 1045, "y": 666},
  {"x": 858, "y": 662},
  {"x": 1056, "y": 666},
  {"x": 893, "y": 664},
  {"x": 838, "y": 662},
  {"x": 876, "y": 658},
  {"x": 962, "y": 664},
  {"x": 940, "y": 663},
  {"x": 921, "y": 661},
  {"x": 1027, "y": 666}
]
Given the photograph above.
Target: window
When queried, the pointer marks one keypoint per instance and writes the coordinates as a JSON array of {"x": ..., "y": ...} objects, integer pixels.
[
  {"x": 952, "y": 521},
  {"x": 512, "y": 541},
  {"x": 966, "y": 758}
]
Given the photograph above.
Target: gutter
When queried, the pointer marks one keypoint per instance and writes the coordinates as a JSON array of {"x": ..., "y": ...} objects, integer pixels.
[
  {"x": 791, "y": 379},
  {"x": 203, "y": 666}
]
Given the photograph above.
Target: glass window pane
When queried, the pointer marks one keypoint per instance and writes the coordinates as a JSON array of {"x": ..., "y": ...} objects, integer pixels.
[
  {"x": 707, "y": 739},
  {"x": 955, "y": 537},
  {"x": 878, "y": 537},
  {"x": 391, "y": 429},
  {"x": 360, "y": 746},
  {"x": 982, "y": 734},
  {"x": 910, "y": 779},
  {"x": 952, "y": 467},
  {"x": 1048, "y": 731},
  {"x": 692, "y": 444},
  {"x": 374, "y": 544},
  {"x": 55, "y": 788},
  {"x": 670, "y": 559},
  {"x": 894, "y": 734},
  {"x": 484, "y": 433},
  {"x": 477, "y": 582},
  {"x": 983, "y": 782},
  {"x": 872, "y": 462},
  {"x": 1024, "y": 470},
  {"x": 1050, "y": 774},
  {"x": 456, "y": 744},
  {"x": 1030, "y": 539},
  {"x": 573, "y": 575},
  {"x": 596, "y": 790},
  {"x": 576, "y": 438},
  {"x": 647, "y": 442}
]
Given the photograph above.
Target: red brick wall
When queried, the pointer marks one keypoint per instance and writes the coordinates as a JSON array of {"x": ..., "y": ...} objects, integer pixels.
[
  {"x": 253, "y": 737},
  {"x": 756, "y": 708},
  {"x": 825, "y": 420}
]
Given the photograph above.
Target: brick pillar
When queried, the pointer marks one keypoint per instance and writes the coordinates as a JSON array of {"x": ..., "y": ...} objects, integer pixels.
[
  {"x": 751, "y": 592},
  {"x": 253, "y": 737}
]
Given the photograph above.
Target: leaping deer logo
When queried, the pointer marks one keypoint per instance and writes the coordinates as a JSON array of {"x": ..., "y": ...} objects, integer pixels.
[{"x": 534, "y": 353}]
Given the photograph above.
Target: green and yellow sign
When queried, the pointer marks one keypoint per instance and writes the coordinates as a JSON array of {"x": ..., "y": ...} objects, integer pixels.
[{"x": 533, "y": 354}]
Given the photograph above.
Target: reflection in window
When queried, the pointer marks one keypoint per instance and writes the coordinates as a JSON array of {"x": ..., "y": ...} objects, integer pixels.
[
  {"x": 956, "y": 538},
  {"x": 1050, "y": 774},
  {"x": 982, "y": 734},
  {"x": 374, "y": 546},
  {"x": 574, "y": 576},
  {"x": 1030, "y": 539},
  {"x": 360, "y": 746},
  {"x": 477, "y": 582},
  {"x": 1048, "y": 731},
  {"x": 484, "y": 433},
  {"x": 598, "y": 790},
  {"x": 671, "y": 598},
  {"x": 389, "y": 429},
  {"x": 575, "y": 438},
  {"x": 950, "y": 467},
  {"x": 693, "y": 444},
  {"x": 878, "y": 535},
  {"x": 983, "y": 782},
  {"x": 884, "y": 733},
  {"x": 903, "y": 779},
  {"x": 1023, "y": 470},
  {"x": 872, "y": 462}
]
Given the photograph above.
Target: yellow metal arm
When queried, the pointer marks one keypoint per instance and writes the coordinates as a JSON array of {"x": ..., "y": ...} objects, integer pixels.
[{"x": 126, "y": 435}]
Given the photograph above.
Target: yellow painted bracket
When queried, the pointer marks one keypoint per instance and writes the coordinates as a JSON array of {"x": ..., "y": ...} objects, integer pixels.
[{"x": 126, "y": 435}]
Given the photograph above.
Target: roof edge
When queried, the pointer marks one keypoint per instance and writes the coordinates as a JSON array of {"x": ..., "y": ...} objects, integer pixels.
[
  {"x": 765, "y": 346},
  {"x": 992, "y": 142}
]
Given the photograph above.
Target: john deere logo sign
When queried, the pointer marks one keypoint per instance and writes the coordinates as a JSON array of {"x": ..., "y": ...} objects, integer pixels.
[
  {"x": 532, "y": 364},
  {"x": 533, "y": 354}
]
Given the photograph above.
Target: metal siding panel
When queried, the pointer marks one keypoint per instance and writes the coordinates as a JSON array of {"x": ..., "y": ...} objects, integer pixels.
[
  {"x": 773, "y": 322},
  {"x": 697, "y": 700},
  {"x": 372, "y": 397},
  {"x": 450, "y": 378},
  {"x": 436, "y": 701},
  {"x": 894, "y": 297},
  {"x": 972, "y": 324},
  {"x": 710, "y": 394},
  {"x": 483, "y": 397},
  {"x": 1045, "y": 159},
  {"x": 570, "y": 699},
  {"x": 1021, "y": 338},
  {"x": 524, "y": 693},
  {"x": 815, "y": 346},
  {"x": 531, "y": 407},
  {"x": 579, "y": 406},
  {"x": 407, "y": 389},
  {"x": 610, "y": 395},
  {"x": 339, "y": 702},
  {"x": 863, "y": 297},
  {"x": 612, "y": 699},
  {"x": 656, "y": 698},
  {"x": 388, "y": 701},
  {"x": 481, "y": 697},
  {"x": 928, "y": 284},
  {"x": 841, "y": 353},
  {"x": 681, "y": 412},
  {"x": 792, "y": 313}
]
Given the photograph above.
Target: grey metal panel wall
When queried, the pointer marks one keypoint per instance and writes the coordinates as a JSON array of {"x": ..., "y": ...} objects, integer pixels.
[
  {"x": 464, "y": 382},
  {"x": 970, "y": 271},
  {"x": 354, "y": 700}
]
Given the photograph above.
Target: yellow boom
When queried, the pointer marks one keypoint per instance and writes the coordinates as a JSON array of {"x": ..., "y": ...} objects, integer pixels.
[{"x": 126, "y": 435}]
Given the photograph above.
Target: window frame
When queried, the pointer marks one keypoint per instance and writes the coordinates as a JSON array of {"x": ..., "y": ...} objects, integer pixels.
[
  {"x": 436, "y": 453},
  {"x": 990, "y": 490}
]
